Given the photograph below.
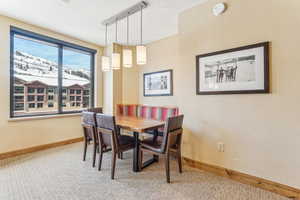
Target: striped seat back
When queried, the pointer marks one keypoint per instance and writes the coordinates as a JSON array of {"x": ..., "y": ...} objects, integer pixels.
[
  {"x": 168, "y": 112},
  {"x": 144, "y": 111},
  {"x": 127, "y": 110}
]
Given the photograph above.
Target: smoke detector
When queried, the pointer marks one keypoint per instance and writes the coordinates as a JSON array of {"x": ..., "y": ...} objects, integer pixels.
[{"x": 219, "y": 8}]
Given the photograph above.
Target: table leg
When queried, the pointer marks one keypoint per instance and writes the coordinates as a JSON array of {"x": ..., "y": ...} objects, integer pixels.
[{"x": 136, "y": 152}]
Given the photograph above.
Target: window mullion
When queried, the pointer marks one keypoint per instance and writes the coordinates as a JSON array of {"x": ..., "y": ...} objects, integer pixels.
[{"x": 60, "y": 77}]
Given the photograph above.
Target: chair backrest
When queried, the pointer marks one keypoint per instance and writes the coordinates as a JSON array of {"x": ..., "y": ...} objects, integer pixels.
[
  {"x": 88, "y": 122},
  {"x": 172, "y": 133},
  {"x": 96, "y": 110},
  {"x": 107, "y": 131}
]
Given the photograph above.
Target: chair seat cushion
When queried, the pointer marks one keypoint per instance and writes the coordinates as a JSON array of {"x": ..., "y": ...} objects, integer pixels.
[
  {"x": 160, "y": 133},
  {"x": 154, "y": 145},
  {"x": 125, "y": 140}
]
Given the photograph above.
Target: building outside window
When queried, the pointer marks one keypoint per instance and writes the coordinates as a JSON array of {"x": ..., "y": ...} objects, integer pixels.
[
  {"x": 40, "y": 105},
  {"x": 40, "y": 90},
  {"x": 86, "y": 92},
  {"x": 19, "y": 89},
  {"x": 35, "y": 66},
  {"x": 30, "y": 98},
  {"x": 31, "y": 90},
  {"x": 72, "y": 98},
  {"x": 31, "y": 105},
  {"x": 19, "y": 99},
  {"x": 40, "y": 98},
  {"x": 19, "y": 106},
  {"x": 50, "y": 97},
  {"x": 72, "y": 91}
]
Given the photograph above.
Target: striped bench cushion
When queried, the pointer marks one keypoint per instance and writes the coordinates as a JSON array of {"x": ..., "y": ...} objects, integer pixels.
[{"x": 126, "y": 110}]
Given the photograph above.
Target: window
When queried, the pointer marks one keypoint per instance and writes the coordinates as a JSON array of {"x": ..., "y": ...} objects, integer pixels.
[
  {"x": 19, "y": 106},
  {"x": 40, "y": 98},
  {"x": 30, "y": 98},
  {"x": 50, "y": 97},
  {"x": 50, "y": 105},
  {"x": 31, "y": 90},
  {"x": 42, "y": 66},
  {"x": 72, "y": 91},
  {"x": 31, "y": 105},
  {"x": 78, "y": 98},
  {"x": 40, "y": 90},
  {"x": 19, "y": 89},
  {"x": 72, "y": 98},
  {"x": 51, "y": 90},
  {"x": 19, "y": 99},
  {"x": 40, "y": 105},
  {"x": 85, "y": 102},
  {"x": 86, "y": 92},
  {"x": 84, "y": 73}
]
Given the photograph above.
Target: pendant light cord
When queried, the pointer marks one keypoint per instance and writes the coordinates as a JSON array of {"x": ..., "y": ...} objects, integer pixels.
[
  {"x": 105, "y": 34},
  {"x": 141, "y": 25},
  {"x": 128, "y": 29},
  {"x": 116, "y": 30}
]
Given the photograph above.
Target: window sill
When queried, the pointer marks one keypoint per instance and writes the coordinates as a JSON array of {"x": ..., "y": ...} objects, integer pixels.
[{"x": 43, "y": 117}]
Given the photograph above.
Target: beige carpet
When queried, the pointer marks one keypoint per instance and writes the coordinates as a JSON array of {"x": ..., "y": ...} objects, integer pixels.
[{"x": 59, "y": 174}]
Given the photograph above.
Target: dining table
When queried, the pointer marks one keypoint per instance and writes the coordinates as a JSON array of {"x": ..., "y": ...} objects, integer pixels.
[{"x": 136, "y": 126}]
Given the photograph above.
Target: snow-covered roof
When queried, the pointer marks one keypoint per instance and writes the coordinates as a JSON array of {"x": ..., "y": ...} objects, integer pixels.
[{"x": 30, "y": 68}]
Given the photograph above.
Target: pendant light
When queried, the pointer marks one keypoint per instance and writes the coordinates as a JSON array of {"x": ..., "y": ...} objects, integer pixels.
[
  {"x": 127, "y": 53},
  {"x": 141, "y": 50},
  {"x": 105, "y": 59},
  {"x": 115, "y": 57}
]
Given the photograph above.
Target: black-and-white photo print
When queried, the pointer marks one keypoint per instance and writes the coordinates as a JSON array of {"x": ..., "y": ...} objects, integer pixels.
[
  {"x": 234, "y": 71},
  {"x": 240, "y": 69},
  {"x": 158, "y": 83}
]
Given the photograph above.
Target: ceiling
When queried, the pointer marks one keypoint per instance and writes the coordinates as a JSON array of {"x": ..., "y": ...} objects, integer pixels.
[{"x": 82, "y": 18}]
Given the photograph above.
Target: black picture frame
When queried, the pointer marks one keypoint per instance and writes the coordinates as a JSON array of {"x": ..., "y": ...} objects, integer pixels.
[
  {"x": 157, "y": 72},
  {"x": 266, "y": 88}
]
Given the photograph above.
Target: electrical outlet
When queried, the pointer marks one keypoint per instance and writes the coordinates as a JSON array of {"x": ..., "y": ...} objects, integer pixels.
[{"x": 221, "y": 147}]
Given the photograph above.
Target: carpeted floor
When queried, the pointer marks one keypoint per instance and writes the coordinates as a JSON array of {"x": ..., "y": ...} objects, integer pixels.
[{"x": 60, "y": 174}]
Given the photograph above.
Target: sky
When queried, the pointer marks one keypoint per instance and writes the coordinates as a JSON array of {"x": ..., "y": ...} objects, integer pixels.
[{"x": 70, "y": 58}]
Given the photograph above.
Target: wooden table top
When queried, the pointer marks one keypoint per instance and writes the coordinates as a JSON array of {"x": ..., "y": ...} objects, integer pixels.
[{"x": 136, "y": 124}]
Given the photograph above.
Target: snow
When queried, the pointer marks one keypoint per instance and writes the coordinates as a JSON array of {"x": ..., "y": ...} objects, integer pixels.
[{"x": 30, "y": 68}]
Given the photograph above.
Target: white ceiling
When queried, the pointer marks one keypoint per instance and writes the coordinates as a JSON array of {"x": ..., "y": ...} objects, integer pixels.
[{"x": 82, "y": 18}]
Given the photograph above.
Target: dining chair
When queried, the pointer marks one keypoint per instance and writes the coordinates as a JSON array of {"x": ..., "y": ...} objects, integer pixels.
[
  {"x": 109, "y": 136},
  {"x": 169, "y": 143},
  {"x": 88, "y": 122}
]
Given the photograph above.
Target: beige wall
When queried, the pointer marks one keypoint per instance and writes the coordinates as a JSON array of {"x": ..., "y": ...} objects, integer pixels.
[
  {"x": 130, "y": 80},
  {"x": 23, "y": 134},
  {"x": 261, "y": 132},
  {"x": 120, "y": 86}
]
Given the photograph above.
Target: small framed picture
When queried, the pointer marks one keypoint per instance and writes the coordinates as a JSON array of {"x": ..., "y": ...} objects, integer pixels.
[
  {"x": 158, "y": 83},
  {"x": 242, "y": 70}
]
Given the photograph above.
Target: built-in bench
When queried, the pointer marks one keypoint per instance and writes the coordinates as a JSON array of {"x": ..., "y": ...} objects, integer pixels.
[{"x": 160, "y": 113}]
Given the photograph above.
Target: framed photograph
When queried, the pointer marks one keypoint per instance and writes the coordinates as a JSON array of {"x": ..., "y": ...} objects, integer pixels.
[
  {"x": 242, "y": 70},
  {"x": 158, "y": 83}
]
